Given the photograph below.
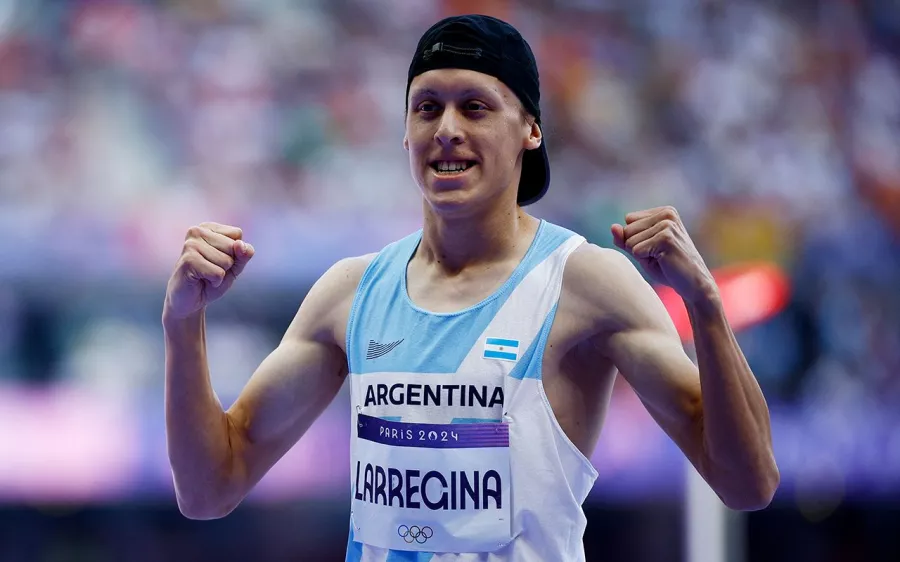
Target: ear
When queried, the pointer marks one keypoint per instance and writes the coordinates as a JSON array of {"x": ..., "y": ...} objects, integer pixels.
[
  {"x": 535, "y": 136},
  {"x": 406, "y": 142}
]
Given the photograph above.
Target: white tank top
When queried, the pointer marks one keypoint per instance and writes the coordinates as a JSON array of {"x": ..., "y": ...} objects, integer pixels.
[{"x": 455, "y": 452}]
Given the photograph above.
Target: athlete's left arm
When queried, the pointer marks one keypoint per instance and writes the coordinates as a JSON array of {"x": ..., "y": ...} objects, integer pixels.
[{"x": 716, "y": 414}]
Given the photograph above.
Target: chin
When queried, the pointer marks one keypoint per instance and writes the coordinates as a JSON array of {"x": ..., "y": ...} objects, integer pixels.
[
  {"x": 448, "y": 200},
  {"x": 451, "y": 201}
]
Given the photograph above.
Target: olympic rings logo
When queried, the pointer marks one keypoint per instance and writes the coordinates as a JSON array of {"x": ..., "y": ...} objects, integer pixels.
[{"x": 415, "y": 533}]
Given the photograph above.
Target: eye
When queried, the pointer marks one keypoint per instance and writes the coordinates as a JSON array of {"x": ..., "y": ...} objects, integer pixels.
[
  {"x": 475, "y": 106},
  {"x": 427, "y": 107}
]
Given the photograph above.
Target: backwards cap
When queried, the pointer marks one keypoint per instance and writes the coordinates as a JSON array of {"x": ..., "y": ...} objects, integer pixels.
[{"x": 490, "y": 46}]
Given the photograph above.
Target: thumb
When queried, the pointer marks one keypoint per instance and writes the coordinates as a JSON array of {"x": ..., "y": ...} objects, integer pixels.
[
  {"x": 618, "y": 234},
  {"x": 242, "y": 254}
]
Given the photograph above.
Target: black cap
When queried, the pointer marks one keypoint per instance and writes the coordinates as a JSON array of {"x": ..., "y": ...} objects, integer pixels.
[{"x": 490, "y": 46}]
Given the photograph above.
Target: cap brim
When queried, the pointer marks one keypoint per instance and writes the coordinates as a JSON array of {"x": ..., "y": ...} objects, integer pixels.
[{"x": 535, "y": 180}]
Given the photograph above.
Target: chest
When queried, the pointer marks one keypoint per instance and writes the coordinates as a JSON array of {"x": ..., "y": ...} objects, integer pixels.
[
  {"x": 447, "y": 293},
  {"x": 420, "y": 363}
]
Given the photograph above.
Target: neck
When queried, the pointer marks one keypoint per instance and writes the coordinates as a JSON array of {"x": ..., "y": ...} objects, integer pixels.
[{"x": 454, "y": 243}]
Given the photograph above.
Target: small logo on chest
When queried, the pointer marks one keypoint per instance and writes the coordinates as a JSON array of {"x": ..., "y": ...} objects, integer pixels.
[
  {"x": 377, "y": 350},
  {"x": 503, "y": 349}
]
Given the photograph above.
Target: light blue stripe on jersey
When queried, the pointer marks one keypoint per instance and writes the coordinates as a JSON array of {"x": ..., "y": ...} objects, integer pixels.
[
  {"x": 408, "y": 556},
  {"x": 355, "y": 552},
  {"x": 498, "y": 341},
  {"x": 500, "y": 355},
  {"x": 431, "y": 342},
  {"x": 354, "y": 549},
  {"x": 529, "y": 366}
]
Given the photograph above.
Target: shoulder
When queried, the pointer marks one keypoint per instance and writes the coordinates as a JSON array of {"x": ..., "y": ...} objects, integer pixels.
[
  {"x": 590, "y": 263},
  {"x": 344, "y": 278},
  {"x": 340, "y": 281},
  {"x": 607, "y": 291},
  {"x": 325, "y": 309},
  {"x": 601, "y": 274},
  {"x": 349, "y": 271}
]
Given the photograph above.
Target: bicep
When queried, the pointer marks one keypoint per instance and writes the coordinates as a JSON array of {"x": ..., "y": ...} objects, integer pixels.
[
  {"x": 668, "y": 384},
  {"x": 655, "y": 365},
  {"x": 639, "y": 337},
  {"x": 283, "y": 398},
  {"x": 298, "y": 380}
]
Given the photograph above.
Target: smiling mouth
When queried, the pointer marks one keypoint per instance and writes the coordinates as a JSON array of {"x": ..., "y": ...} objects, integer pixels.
[{"x": 445, "y": 168}]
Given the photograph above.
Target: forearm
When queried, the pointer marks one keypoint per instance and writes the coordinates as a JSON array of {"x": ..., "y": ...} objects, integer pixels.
[
  {"x": 737, "y": 438},
  {"x": 197, "y": 429}
]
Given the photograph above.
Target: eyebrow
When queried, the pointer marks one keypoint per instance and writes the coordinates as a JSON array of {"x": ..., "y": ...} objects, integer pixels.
[{"x": 468, "y": 92}]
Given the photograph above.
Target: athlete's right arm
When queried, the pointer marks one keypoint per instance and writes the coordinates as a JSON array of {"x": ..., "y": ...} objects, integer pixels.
[{"x": 218, "y": 456}]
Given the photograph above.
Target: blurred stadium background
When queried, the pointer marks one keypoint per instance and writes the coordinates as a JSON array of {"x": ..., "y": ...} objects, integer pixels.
[{"x": 773, "y": 126}]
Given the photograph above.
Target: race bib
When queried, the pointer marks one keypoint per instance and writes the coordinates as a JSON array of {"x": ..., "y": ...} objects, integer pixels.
[{"x": 431, "y": 487}]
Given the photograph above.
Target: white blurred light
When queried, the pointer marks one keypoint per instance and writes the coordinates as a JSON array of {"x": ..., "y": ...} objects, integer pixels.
[
  {"x": 115, "y": 357},
  {"x": 234, "y": 351}
]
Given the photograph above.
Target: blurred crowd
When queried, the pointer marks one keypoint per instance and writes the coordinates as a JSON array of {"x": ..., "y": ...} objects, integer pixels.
[
  {"x": 774, "y": 128},
  {"x": 772, "y": 125}
]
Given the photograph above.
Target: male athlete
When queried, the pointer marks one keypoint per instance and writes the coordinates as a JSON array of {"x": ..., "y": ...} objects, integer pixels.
[{"x": 481, "y": 350}]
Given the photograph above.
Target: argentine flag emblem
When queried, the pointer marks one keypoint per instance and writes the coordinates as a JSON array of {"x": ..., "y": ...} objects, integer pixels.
[{"x": 497, "y": 348}]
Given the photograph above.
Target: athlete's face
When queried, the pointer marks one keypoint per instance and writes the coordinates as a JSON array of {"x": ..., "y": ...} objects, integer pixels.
[{"x": 466, "y": 133}]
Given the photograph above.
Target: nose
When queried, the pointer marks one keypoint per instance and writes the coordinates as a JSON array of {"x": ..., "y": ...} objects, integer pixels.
[{"x": 449, "y": 130}]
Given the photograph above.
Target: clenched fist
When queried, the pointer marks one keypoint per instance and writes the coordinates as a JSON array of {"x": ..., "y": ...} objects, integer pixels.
[
  {"x": 660, "y": 243},
  {"x": 211, "y": 259}
]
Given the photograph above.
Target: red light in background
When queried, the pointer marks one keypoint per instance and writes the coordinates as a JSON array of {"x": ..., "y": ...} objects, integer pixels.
[{"x": 751, "y": 294}]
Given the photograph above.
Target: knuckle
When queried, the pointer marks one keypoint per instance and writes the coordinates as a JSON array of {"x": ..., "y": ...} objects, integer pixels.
[
  {"x": 193, "y": 257},
  {"x": 668, "y": 234},
  {"x": 219, "y": 228},
  {"x": 185, "y": 264},
  {"x": 192, "y": 249},
  {"x": 196, "y": 231}
]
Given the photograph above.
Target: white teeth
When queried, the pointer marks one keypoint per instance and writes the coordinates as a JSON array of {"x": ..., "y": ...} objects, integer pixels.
[{"x": 452, "y": 166}]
